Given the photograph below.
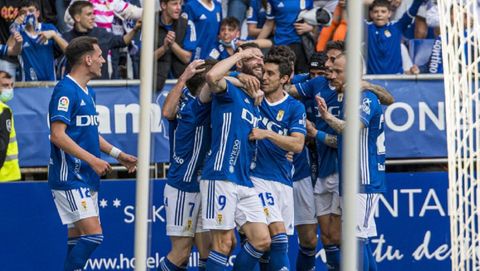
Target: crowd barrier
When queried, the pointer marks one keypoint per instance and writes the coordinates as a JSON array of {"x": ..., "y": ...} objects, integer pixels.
[
  {"x": 412, "y": 222},
  {"x": 415, "y": 123}
]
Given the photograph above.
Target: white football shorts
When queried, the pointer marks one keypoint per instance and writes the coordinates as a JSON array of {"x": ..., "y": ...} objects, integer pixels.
[{"x": 76, "y": 204}]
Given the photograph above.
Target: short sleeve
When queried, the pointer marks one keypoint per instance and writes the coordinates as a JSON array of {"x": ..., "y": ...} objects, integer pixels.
[
  {"x": 298, "y": 119},
  {"x": 307, "y": 89},
  {"x": 62, "y": 104},
  {"x": 190, "y": 40},
  {"x": 228, "y": 95},
  {"x": 269, "y": 12},
  {"x": 252, "y": 12},
  {"x": 369, "y": 105}
]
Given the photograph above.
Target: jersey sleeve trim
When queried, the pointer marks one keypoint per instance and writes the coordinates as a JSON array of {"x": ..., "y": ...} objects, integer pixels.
[{"x": 60, "y": 118}]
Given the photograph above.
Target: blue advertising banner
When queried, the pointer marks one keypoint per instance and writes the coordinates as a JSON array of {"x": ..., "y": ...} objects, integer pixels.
[
  {"x": 412, "y": 222},
  {"x": 415, "y": 123}
]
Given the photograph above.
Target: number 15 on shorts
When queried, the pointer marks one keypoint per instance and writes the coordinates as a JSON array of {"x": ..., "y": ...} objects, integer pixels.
[{"x": 267, "y": 200}]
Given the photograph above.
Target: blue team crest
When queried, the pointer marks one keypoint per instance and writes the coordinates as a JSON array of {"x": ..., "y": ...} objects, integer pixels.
[
  {"x": 387, "y": 33},
  {"x": 280, "y": 115}
]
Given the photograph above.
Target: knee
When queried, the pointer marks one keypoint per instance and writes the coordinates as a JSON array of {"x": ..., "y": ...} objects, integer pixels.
[
  {"x": 309, "y": 241},
  {"x": 262, "y": 243},
  {"x": 335, "y": 237},
  {"x": 224, "y": 245}
]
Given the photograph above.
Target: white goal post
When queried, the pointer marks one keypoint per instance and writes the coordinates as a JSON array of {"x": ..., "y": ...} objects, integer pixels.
[{"x": 460, "y": 50}]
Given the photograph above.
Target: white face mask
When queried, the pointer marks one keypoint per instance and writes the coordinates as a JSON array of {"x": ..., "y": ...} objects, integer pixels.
[{"x": 6, "y": 95}]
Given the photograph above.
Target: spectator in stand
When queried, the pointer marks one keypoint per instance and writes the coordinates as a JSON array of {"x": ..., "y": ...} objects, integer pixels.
[
  {"x": 338, "y": 28},
  {"x": 171, "y": 37},
  {"x": 282, "y": 16},
  {"x": 420, "y": 29},
  {"x": 229, "y": 40},
  {"x": 8, "y": 13},
  {"x": 13, "y": 46},
  {"x": 384, "y": 37},
  {"x": 238, "y": 9},
  {"x": 40, "y": 42},
  {"x": 256, "y": 17},
  {"x": 203, "y": 17},
  {"x": 83, "y": 14},
  {"x": 9, "y": 168}
]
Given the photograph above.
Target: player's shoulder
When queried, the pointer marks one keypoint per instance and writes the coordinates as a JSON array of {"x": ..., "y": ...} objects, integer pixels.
[
  {"x": 370, "y": 99},
  {"x": 48, "y": 26},
  {"x": 66, "y": 85}
]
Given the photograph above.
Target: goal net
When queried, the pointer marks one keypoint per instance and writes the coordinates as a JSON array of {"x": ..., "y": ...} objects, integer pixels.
[{"x": 460, "y": 44}]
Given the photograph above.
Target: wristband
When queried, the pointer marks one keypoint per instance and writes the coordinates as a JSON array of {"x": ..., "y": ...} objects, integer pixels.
[
  {"x": 321, "y": 136},
  {"x": 115, "y": 152}
]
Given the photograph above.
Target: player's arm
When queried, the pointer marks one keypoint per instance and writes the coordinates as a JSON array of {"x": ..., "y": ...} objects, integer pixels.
[
  {"x": 5, "y": 126},
  {"x": 127, "y": 160},
  {"x": 216, "y": 76},
  {"x": 408, "y": 17},
  {"x": 321, "y": 136},
  {"x": 291, "y": 89},
  {"x": 293, "y": 142},
  {"x": 52, "y": 34},
  {"x": 337, "y": 124},
  {"x": 170, "y": 106},
  {"x": 14, "y": 44},
  {"x": 127, "y": 38},
  {"x": 184, "y": 55},
  {"x": 383, "y": 95},
  {"x": 59, "y": 137},
  {"x": 266, "y": 29}
]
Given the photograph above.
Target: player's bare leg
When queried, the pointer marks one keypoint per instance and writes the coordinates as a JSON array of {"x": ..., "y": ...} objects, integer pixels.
[
  {"x": 257, "y": 242},
  {"x": 332, "y": 249},
  {"x": 85, "y": 236},
  {"x": 203, "y": 243}
]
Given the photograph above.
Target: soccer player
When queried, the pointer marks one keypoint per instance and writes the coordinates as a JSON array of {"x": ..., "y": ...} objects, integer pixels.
[
  {"x": 189, "y": 115},
  {"x": 281, "y": 130},
  {"x": 75, "y": 166},
  {"x": 203, "y": 18},
  {"x": 228, "y": 196},
  {"x": 372, "y": 158}
]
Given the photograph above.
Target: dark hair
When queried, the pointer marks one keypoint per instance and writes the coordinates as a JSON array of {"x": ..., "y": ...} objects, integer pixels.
[
  {"x": 5, "y": 74},
  {"x": 165, "y": 1},
  {"x": 29, "y": 3},
  {"x": 248, "y": 45},
  {"x": 76, "y": 7},
  {"x": 318, "y": 60},
  {"x": 282, "y": 51},
  {"x": 284, "y": 67},
  {"x": 78, "y": 47},
  {"x": 198, "y": 80},
  {"x": 335, "y": 45},
  {"x": 380, "y": 3},
  {"x": 230, "y": 21}
]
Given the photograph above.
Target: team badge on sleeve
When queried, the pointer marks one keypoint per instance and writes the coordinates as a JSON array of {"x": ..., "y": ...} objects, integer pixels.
[
  {"x": 366, "y": 105},
  {"x": 63, "y": 103}
]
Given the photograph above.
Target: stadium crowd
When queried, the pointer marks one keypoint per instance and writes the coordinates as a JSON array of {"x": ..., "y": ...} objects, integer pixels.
[
  {"x": 401, "y": 36},
  {"x": 238, "y": 155}
]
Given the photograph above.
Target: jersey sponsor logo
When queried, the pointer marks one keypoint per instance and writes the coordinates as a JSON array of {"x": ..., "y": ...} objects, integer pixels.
[
  {"x": 63, "y": 103},
  {"x": 274, "y": 127},
  {"x": 249, "y": 117},
  {"x": 87, "y": 120},
  {"x": 82, "y": 103},
  {"x": 8, "y": 124},
  {"x": 234, "y": 155},
  {"x": 366, "y": 105}
]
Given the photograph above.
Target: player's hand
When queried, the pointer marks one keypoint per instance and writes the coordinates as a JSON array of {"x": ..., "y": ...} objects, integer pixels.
[
  {"x": 18, "y": 37},
  {"x": 258, "y": 97},
  {"x": 364, "y": 85},
  {"x": 192, "y": 69},
  {"x": 311, "y": 130},
  {"x": 128, "y": 161},
  {"x": 101, "y": 167},
  {"x": 289, "y": 156},
  {"x": 138, "y": 26},
  {"x": 414, "y": 70},
  {"x": 322, "y": 107},
  {"x": 46, "y": 35},
  {"x": 248, "y": 53},
  {"x": 257, "y": 134},
  {"x": 249, "y": 81},
  {"x": 303, "y": 28},
  {"x": 20, "y": 19}
]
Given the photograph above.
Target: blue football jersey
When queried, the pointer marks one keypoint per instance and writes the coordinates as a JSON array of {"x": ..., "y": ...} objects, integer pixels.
[
  {"x": 3, "y": 50},
  {"x": 256, "y": 13},
  {"x": 372, "y": 145},
  {"x": 284, "y": 117},
  {"x": 301, "y": 165},
  {"x": 232, "y": 155},
  {"x": 219, "y": 52},
  {"x": 190, "y": 138},
  {"x": 319, "y": 86},
  {"x": 38, "y": 58},
  {"x": 285, "y": 13},
  {"x": 75, "y": 107},
  {"x": 203, "y": 27}
]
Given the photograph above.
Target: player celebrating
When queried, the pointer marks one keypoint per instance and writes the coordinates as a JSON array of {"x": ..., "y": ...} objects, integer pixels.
[
  {"x": 282, "y": 130},
  {"x": 372, "y": 157},
  {"x": 75, "y": 165},
  {"x": 189, "y": 114},
  {"x": 228, "y": 196}
]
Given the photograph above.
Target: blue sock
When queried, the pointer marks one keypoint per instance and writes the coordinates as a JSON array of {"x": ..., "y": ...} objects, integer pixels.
[
  {"x": 306, "y": 258},
  {"x": 279, "y": 252},
  {"x": 333, "y": 257},
  {"x": 216, "y": 261},
  {"x": 362, "y": 255},
  {"x": 72, "y": 241},
  {"x": 247, "y": 258},
  {"x": 372, "y": 262},
  {"x": 77, "y": 258},
  {"x": 202, "y": 264},
  {"x": 264, "y": 261},
  {"x": 167, "y": 265}
]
